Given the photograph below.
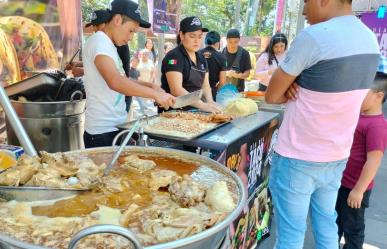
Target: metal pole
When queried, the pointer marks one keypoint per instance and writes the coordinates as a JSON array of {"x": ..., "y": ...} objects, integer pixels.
[
  {"x": 17, "y": 126},
  {"x": 160, "y": 46}
]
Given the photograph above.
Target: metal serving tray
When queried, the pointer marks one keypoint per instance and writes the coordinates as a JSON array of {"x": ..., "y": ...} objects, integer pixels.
[{"x": 163, "y": 136}]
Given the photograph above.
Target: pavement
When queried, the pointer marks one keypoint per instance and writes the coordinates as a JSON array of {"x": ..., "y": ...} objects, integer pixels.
[{"x": 376, "y": 215}]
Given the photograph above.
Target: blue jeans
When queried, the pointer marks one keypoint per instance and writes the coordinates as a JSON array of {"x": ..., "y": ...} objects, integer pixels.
[{"x": 299, "y": 187}]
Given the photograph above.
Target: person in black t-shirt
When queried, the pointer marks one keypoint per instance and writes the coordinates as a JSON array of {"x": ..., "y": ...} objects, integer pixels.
[
  {"x": 217, "y": 64},
  {"x": 238, "y": 60},
  {"x": 184, "y": 70}
]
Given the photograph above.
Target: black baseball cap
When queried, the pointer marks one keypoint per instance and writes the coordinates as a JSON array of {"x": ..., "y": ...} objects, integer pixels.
[
  {"x": 233, "y": 33},
  {"x": 191, "y": 24},
  {"x": 129, "y": 9},
  {"x": 212, "y": 37},
  {"x": 98, "y": 17}
]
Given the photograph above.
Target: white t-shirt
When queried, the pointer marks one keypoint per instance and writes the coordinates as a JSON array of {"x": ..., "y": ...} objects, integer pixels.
[
  {"x": 105, "y": 108},
  {"x": 145, "y": 69}
]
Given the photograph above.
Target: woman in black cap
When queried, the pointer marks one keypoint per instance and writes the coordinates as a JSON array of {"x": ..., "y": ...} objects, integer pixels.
[
  {"x": 217, "y": 64},
  {"x": 184, "y": 70}
]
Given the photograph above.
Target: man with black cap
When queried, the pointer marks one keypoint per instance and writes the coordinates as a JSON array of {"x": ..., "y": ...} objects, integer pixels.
[
  {"x": 98, "y": 19},
  {"x": 184, "y": 69},
  {"x": 217, "y": 64},
  {"x": 238, "y": 60},
  {"x": 104, "y": 78}
]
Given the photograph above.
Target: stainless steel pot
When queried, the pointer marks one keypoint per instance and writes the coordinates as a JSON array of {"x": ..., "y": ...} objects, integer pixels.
[
  {"x": 52, "y": 126},
  {"x": 210, "y": 238}
]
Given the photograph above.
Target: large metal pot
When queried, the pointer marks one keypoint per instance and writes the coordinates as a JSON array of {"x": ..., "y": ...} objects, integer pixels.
[
  {"x": 52, "y": 125},
  {"x": 210, "y": 238}
]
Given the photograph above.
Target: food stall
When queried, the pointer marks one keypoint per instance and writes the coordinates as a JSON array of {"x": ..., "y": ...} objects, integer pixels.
[{"x": 31, "y": 215}]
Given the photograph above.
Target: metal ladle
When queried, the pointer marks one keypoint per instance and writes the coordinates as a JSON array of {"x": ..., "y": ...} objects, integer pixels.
[
  {"x": 17, "y": 126},
  {"x": 122, "y": 146}
]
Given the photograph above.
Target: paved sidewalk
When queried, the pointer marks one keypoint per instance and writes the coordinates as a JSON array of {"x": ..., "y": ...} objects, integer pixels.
[{"x": 376, "y": 215}]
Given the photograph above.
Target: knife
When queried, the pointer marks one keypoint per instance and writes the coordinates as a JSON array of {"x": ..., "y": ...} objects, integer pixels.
[{"x": 188, "y": 99}]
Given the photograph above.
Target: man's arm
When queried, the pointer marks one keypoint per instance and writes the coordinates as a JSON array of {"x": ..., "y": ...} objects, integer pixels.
[
  {"x": 106, "y": 67},
  {"x": 374, "y": 159},
  {"x": 279, "y": 84}
]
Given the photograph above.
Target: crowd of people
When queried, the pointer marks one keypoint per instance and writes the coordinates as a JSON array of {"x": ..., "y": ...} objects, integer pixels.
[{"x": 322, "y": 77}]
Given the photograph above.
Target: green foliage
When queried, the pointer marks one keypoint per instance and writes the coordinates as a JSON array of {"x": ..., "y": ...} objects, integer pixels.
[
  {"x": 219, "y": 15},
  {"x": 88, "y": 6}
]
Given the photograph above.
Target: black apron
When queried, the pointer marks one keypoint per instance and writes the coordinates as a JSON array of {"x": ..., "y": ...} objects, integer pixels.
[{"x": 195, "y": 79}]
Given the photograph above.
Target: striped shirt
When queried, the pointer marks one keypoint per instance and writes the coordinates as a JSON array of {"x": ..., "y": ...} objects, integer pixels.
[{"x": 335, "y": 63}]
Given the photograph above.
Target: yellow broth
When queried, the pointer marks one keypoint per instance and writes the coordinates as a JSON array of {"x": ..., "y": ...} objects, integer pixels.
[{"x": 136, "y": 191}]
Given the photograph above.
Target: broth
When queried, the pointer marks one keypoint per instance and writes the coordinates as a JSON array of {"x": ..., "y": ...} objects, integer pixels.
[{"x": 136, "y": 192}]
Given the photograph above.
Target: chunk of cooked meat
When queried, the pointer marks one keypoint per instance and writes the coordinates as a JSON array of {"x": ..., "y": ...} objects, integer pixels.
[
  {"x": 64, "y": 164},
  {"x": 185, "y": 191},
  {"x": 127, "y": 215},
  {"x": 219, "y": 198},
  {"x": 113, "y": 184},
  {"x": 220, "y": 117},
  {"x": 136, "y": 163},
  {"x": 89, "y": 174},
  {"x": 28, "y": 160},
  {"x": 20, "y": 174},
  {"x": 47, "y": 177},
  {"x": 161, "y": 178}
]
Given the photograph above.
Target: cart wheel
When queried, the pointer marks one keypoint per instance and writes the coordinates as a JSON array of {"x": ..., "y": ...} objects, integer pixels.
[{"x": 97, "y": 229}]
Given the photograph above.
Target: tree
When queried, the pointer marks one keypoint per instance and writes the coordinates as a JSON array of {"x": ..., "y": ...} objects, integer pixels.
[
  {"x": 88, "y": 6},
  {"x": 219, "y": 15},
  {"x": 216, "y": 15}
]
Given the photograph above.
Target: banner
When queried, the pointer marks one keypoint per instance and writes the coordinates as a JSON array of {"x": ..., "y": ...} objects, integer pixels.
[
  {"x": 279, "y": 16},
  {"x": 164, "y": 15},
  {"x": 250, "y": 159},
  {"x": 379, "y": 27}
]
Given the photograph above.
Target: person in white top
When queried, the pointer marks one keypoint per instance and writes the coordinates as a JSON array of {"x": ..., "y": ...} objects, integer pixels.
[
  {"x": 146, "y": 67},
  {"x": 105, "y": 82},
  {"x": 270, "y": 59},
  {"x": 151, "y": 48}
]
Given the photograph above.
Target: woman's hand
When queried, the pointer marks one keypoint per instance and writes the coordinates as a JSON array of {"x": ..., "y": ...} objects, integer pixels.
[{"x": 210, "y": 107}]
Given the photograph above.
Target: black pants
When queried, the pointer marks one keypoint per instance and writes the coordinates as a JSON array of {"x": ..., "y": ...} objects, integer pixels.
[
  {"x": 350, "y": 221},
  {"x": 99, "y": 140}
]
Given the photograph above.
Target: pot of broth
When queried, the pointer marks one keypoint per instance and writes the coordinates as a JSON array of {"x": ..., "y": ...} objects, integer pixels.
[{"x": 164, "y": 198}]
